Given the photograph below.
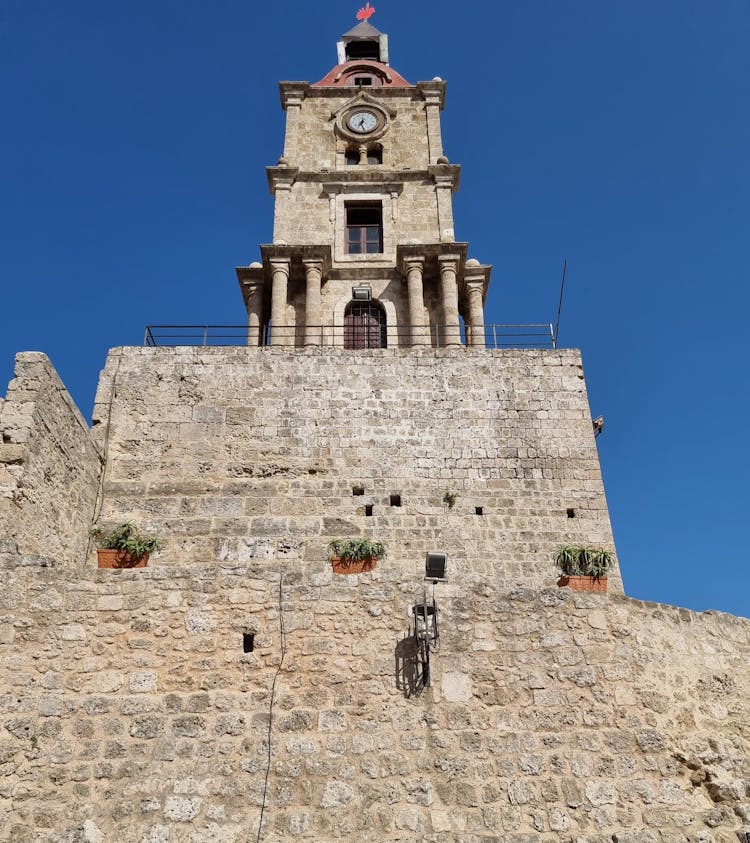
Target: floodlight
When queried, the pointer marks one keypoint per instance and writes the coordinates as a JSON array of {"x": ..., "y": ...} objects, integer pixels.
[
  {"x": 435, "y": 565},
  {"x": 362, "y": 292}
]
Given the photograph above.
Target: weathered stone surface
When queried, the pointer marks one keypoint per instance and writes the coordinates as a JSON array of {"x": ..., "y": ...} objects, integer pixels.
[
  {"x": 462, "y": 435},
  {"x": 45, "y": 448},
  {"x": 237, "y": 682},
  {"x": 181, "y": 741}
]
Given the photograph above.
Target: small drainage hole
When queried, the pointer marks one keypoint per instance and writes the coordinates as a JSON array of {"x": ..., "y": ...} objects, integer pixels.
[
  {"x": 395, "y": 500},
  {"x": 358, "y": 490},
  {"x": 479, "y": 510},
  {"x": 571, "y": 513},
  {"x": 248, "y": 642},
  {"x": 368, "y": 510}
]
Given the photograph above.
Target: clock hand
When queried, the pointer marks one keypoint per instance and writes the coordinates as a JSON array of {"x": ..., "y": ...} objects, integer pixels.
[{"x": 362, "y": 123}]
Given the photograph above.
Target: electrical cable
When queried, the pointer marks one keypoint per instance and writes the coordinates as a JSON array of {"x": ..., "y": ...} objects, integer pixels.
[{"x": 270, "y": 710}]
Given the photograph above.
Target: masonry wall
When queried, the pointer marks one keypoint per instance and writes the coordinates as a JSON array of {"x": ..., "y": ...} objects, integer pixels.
[
  {"x": 237, "y": 679},
  {"x": 405, "y": 144},
  {"x": 236, "y": 454},
  {"x": 49, "y": 466},
  {"x": 129, "y": 711},
  {"x": 305, "y": 218}
]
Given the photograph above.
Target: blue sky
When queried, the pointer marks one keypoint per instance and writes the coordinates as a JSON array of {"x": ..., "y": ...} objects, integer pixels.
[{"x": 615, "y": 134}]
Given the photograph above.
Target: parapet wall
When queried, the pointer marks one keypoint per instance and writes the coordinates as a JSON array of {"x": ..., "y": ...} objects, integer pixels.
[
  {"x": 130, "y": 712},
  {"x": 242, "y": 454},
  {"x": 237, "y": 684},
  {"x": 49, "y": 466}
]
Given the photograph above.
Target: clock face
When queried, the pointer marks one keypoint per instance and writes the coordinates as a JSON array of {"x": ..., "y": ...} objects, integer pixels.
[{"x": 362, "y": 122}]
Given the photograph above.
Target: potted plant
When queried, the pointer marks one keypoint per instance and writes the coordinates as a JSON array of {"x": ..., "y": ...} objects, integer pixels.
[
  {"x": 355, "y": 556},
  {"x": 584, "y": 568},
  {"x": 124, "y": 547}
]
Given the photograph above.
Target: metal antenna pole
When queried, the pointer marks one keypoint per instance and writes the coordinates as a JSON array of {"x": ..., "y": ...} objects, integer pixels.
[{"x": 559, "y": 306}]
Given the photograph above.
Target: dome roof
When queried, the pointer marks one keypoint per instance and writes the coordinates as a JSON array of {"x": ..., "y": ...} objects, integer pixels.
[{"x": 340, "y": 76}]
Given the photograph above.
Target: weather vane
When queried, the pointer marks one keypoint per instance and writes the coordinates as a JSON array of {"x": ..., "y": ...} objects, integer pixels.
[{"x": 366, "y": 12}]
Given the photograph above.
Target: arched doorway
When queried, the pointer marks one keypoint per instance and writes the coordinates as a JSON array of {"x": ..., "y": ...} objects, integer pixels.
[{"x": 364, "y": 325}]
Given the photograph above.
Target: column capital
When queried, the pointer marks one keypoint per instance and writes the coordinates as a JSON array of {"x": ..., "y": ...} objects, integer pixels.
[
  {"x": 313, "y": 264},
  {"x": 280, "y": 265},
  {"x": 476, "y": 276},
  {"x": 409, "y": 262},
  {"x": 475, "y": 285},
  {"x": 449, "y": 261}
]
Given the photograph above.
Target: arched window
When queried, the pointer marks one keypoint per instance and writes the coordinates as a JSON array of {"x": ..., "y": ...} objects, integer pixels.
[
  {"x": 364, "y": 78},
  {"x": 352, "y": 155},
  {"x": 375, "y": 154},
  {"x": 364, "y": 325}
]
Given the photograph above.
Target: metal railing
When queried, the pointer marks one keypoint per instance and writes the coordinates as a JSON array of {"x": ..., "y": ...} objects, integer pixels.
[{"x": 491, "y": 336}]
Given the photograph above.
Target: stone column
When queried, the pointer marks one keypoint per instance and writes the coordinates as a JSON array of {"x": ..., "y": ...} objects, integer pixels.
[
  {"x": 254, "y": 312},
  {"x": 444, "y": 197},
  {"x": 474, "y": 291},
  {"x": 420, "y": 333},
  {"x": 313, "y": 280},
  {"x": 279, "y": 283},
  {"x": 434, "y": 134},
  {"x": 293, "y": 104},
  {"x": 281, "y": 209},
  {"x": 450, "y": 331}
]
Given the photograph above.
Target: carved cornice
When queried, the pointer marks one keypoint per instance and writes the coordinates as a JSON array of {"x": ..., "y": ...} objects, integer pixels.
[
  {"x": 292, "y": 93},
  {"x": 433, "y": 92},
  {"x": 446, "y": 175},
  {"x": 281, "y": 178},
  {"x": 296, "y": 255},
  {"x": 364, "y": 174}
]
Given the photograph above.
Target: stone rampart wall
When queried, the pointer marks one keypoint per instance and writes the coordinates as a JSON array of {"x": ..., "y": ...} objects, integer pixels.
[
  {"x": 240, "y": 454},
  {"x": 130, "y": 712},
  {"x": 49, "y": 466}
]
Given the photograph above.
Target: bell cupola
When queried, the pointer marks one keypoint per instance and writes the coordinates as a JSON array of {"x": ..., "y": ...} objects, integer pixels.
[{"x": 364, "y": 42}]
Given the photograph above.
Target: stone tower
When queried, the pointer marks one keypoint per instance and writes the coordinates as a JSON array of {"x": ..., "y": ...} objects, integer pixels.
[
  {"x": 238, "y": 688},
  {"x": 363, "y": 223},
  {"x": 366, "y": 396}
]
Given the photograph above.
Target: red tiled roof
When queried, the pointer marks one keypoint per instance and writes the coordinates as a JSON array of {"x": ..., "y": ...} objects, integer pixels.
[{"x": 337, "y": 78}]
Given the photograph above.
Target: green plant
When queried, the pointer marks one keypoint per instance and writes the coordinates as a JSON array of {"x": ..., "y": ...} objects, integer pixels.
[
  {"x": 356, "y": 549},
  {"x": 584, "y": 561},
  {"x": 127, "y": 538},
  {"x": 450, "y": 498}
]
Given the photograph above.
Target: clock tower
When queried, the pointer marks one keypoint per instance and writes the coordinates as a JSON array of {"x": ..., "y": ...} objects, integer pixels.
[{"x": 364, "y": 253}]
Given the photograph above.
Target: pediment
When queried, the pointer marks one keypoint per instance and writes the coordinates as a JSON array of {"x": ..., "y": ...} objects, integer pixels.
[{"x": 363, "y": 98}]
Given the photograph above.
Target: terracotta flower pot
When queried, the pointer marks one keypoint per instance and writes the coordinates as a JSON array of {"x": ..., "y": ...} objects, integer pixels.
[
  {"x": 583, "y": 583},
  {"x": 353, "y": 566},
  {"x": 120, "y": 559}
]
